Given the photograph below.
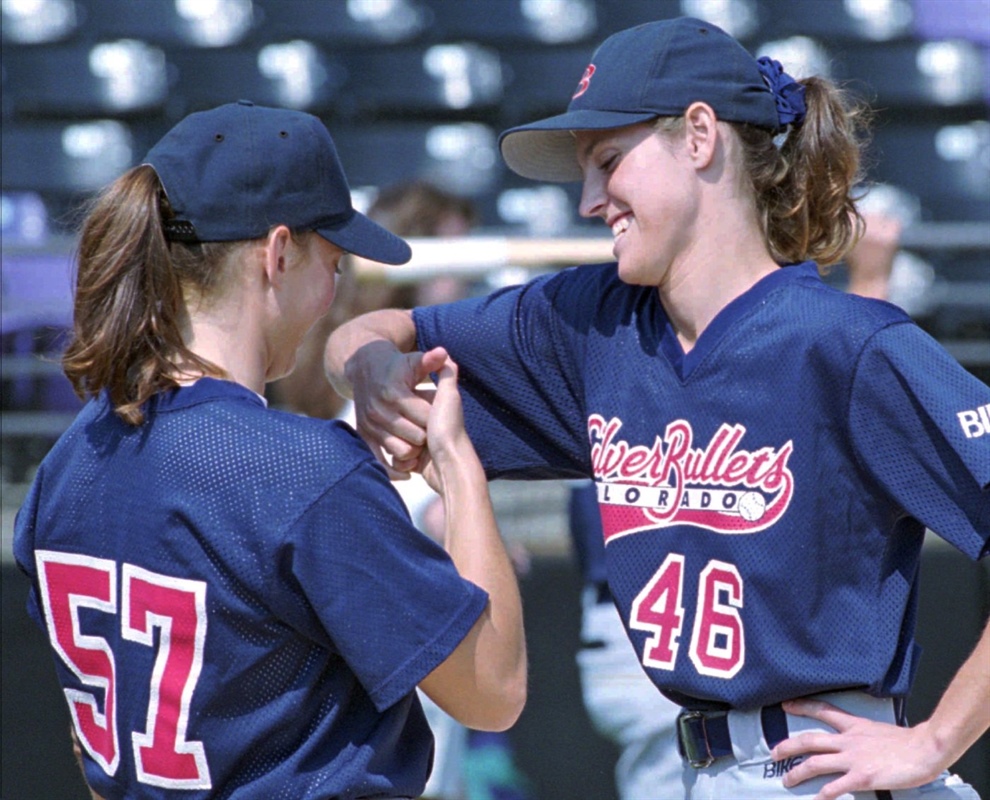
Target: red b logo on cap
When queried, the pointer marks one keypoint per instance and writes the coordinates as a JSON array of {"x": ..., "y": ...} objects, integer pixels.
[{"x": 582, "y": 86}]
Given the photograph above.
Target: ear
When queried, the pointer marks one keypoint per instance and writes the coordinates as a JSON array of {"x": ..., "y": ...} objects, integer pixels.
[
  {"x": 277, "y": 254},
  {"x": 700, "y": 133}
]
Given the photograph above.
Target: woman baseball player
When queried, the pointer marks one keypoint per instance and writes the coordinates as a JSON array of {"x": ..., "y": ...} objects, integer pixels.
[
  {"x": 239, "y": 604},
  {"x": 768, "y": 451}
]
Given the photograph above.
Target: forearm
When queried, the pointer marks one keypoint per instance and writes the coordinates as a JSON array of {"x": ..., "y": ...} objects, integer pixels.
[
  {"x": 342, "y": 356},
  {"x": 870, "y": 755},
  {"x": 472, "y": 538},
  {"x": 963, "y": 713}
]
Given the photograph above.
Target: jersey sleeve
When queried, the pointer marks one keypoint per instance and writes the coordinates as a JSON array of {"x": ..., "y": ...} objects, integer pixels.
[
  {"x": 920, "y": 424},
  {"x": 518, "y": 352},
  {"x": 388, "y": 597}
]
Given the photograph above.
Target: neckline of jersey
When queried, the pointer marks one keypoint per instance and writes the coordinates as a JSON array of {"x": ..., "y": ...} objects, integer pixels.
[
  {"x": 204, "y": 390},
  {"x": 684, "y": 364}
]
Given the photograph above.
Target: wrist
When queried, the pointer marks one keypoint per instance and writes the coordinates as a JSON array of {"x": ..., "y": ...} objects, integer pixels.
[
  {"x": 938, "y": 746},
  {"x": 458, "y": 471}
]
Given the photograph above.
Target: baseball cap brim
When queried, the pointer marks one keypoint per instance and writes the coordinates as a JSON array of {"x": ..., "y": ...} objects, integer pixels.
[
  {"x": 363, "y": 237},
  {"x": 545, "y": 150}
]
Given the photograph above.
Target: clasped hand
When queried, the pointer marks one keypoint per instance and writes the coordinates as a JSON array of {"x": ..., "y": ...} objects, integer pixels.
[{"x": 405, "y": 423}]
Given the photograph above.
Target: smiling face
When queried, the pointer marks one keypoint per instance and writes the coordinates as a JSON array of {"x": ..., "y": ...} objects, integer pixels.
[{"x": 644, "y": 187}]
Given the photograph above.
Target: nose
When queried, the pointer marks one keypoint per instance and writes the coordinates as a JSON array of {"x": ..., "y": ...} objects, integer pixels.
[{"x": 593, "y": 195}]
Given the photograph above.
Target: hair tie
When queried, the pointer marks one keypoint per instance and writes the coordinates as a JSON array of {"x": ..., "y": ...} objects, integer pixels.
[{"x": 788, "y": 94}]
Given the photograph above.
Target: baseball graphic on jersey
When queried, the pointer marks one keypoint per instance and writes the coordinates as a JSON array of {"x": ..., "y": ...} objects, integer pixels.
[{"x": 751, "y": 506}]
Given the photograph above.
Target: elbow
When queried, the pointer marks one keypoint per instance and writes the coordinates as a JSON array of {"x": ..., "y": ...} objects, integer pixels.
[
  {"x": 513, "y": 704},
  {"x": 515, "y": 688},
  {"x": 484, "y": 688},
  {"x": 505, "y": 708}
]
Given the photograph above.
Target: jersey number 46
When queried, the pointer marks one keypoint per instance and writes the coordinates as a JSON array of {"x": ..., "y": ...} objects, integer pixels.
[
  {"x": 177, "y": 607},
  {"x": 718, "y": 647}
]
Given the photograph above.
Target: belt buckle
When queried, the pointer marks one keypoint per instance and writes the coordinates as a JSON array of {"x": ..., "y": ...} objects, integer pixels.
[{"x": 695, "y": 757}]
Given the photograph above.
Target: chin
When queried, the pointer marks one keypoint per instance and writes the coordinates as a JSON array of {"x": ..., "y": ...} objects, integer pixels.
[
  {"x": 640, "y": 273},
  {"x": 634, "y": 276}
]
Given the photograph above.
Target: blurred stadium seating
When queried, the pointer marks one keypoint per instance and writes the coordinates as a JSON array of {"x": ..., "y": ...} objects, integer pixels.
[
  {"x": 294, "y": 74},
  {"x": 421, "y": 88},
  {"x": 115, "y": 78},
  {"x": 946, "y": 165},
  {"x": 462, "y": 156},
  {"x": 437, "y": 80},
  {"x": 410, "y": 62}
]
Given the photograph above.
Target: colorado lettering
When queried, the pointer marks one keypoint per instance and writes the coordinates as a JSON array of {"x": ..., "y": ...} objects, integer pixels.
[
  {"x": 720, "y": 487},
  {"x": 663, "y": 497}
]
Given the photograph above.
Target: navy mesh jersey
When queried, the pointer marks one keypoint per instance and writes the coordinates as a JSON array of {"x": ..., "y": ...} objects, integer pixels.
[
  {"x": 239, "y": 603},
  {"x": 763, "y": 497}
]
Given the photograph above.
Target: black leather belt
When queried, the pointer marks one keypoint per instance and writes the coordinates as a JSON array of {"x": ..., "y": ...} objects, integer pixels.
[{"x": 703, "y": 736}]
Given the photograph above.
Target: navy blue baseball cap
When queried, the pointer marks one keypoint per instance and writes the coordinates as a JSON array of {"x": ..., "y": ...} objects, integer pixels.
[
  {"x": 652, "y": 70},
  {"x": 233, "y": 172}
]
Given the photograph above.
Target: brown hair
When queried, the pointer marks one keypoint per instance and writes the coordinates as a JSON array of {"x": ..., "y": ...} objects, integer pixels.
[
  {"x": 128, "y": 307},
  {"x": 804, "y": 188}
]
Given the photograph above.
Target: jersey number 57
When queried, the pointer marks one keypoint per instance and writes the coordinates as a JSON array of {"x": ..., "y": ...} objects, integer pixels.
[{"x": 177, "y": 607}]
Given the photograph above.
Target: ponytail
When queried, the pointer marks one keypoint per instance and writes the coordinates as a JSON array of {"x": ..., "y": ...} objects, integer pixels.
[
  {"x": 128, "y": 307},
  {"x": 804, "y": 189}
]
